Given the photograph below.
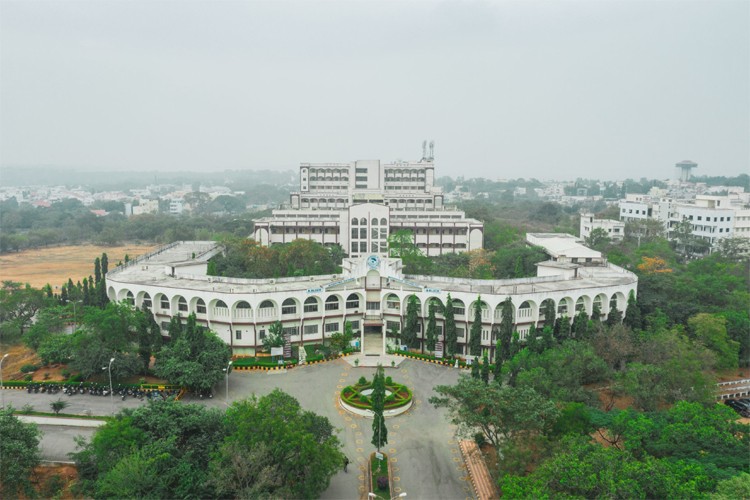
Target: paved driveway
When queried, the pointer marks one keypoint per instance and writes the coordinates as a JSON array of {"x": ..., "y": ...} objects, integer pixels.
[{"x": 421, "y": 443}]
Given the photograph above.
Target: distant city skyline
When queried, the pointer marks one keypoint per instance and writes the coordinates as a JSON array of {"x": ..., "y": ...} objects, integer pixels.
[{"x": 538, "y": 89}]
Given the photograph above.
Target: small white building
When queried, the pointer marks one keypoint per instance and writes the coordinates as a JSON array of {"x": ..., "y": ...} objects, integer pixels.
[{"x": 615, "y": 229}]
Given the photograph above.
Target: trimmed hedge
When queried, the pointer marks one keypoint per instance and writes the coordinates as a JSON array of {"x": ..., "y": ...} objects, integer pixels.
[
  {"x": 24, "y": 383},
  {"x": 400, "y": 396},
  {"x": 264, "y": 362},
  {"x": 428, "y": 357}
]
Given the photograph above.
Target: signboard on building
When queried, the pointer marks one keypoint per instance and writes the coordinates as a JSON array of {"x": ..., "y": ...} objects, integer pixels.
[
  {"x": 277, "y": 351},
  {"x": 439, "y": 350}
]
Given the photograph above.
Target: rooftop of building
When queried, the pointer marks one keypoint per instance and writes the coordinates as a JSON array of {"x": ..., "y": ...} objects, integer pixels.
[{"x": 184, "y": 259}]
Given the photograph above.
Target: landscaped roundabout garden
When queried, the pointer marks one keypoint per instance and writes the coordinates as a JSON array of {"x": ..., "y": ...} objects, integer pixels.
[{"x": 356, "y": 398}]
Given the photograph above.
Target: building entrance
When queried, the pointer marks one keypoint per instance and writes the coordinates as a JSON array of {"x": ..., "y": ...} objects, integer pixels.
[{"x": 372, "y": 340}]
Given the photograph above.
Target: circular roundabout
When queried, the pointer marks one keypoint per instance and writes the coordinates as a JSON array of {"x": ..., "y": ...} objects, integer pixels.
[{"x": 355, "y": 398}]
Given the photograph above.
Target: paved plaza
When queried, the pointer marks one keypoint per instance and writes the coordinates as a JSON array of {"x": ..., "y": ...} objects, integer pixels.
[{"x": 422, "y": 446}]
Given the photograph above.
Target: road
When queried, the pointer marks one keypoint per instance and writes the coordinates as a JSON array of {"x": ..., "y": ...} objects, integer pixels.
[{"x": 421, "y": 443}]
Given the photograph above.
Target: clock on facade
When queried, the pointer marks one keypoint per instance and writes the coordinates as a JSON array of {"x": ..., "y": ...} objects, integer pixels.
[{"x": 373, "y": 261}]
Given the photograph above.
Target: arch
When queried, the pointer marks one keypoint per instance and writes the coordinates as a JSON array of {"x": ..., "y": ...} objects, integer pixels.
[
  {"x": 565, "y": 306},
  {"x": 406, "y": 303},
  {"x": 355, "y": 222},
  {"x": 180, "y": 305},
  {"x": 199, "y": 306},
  {"x": 374, "y": 221},
  {"x": 289, "y": 306},
  {"x": 391, "y": 302},
  {"x": 219, "y": 309},
  {"x": 161, "y": 301},
  {"x": 485, "y": 309},
  {"x": 353, "y": 301},
  {"x": 600, "y": 301},
  {"x": 459, "y": 308},
  {"x": 583, "y": 304},
  {"x": 439, "y": 307},
  {"x": 112, "y": 294},
  {"x": 144, "y": 300},
  {"x": 242, "y": 310},
  {"x": 618, "y": 298},
  {"x": 362, "y": 221},
  {"x": 333, "y": 303},
  {"x": 130, "y": 298},
  {"x": 311, "y": 305},
  {"x": 527, "y": 311},
  {"x": 267, "y": 309},
  {"x": 383, "y": 221}
]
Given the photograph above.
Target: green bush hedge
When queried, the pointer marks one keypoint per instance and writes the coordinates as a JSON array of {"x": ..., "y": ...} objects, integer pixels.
[
  {"x": 400, "y": 396},
  {"x": 264, "y": 362}
]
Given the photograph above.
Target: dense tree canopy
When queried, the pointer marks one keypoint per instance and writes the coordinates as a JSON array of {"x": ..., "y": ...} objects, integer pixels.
[{"x": 19, "y": 454}]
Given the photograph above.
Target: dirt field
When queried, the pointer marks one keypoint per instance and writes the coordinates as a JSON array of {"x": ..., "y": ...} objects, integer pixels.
[{"x": 55, "y": 265}]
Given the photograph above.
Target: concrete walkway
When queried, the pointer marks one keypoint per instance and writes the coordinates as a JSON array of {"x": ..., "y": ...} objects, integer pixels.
[
  {"x": 65, "y": 421},
  {"x": 369, "y": 360}
]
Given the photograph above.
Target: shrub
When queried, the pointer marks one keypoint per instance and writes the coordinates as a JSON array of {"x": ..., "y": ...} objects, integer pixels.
[
  {"x": 362, "y": 381},
  {"x": 46, "y": 375},
  {"x": 76, "y": 378},
  {"x": 27, "y": 408},
  {"x": 388, "y": 381},
  {"x": 28, "y": 378},
  {"x": 65, "y": 373},
  {"x": 382, "y": 482},
  {"x": 28, "y": 368}
]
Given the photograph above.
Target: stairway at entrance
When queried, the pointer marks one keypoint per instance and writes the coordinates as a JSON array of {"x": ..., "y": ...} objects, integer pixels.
[{"x": 373, "y": 343}]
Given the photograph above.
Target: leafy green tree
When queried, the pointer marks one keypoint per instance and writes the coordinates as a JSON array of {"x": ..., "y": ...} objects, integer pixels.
[
  {"x": 431, "y": 329},
  {"x": 475, "y": 371},
  {"x": 149, "y": 337},
  {"x": 502, "y": 414},
  {"x": 409, "y": 334},
  {"x": 615, "y": 316},
  {"x": 18, "y": 306},
  {"x": 632, "y": 313},
  {"x": 596, "y": 313},
  {"x": 160, "y": 450},
  {"x": 377, "y": 399},
  {"x": 711, "y": 331},
  {"x": 485, "y": 370},
  {"x": 580, "y": 325},
  {"x": 340, "y": 341},
  {"x": 735, "y": 487},
  {"x": 302, "y": 453},
  {"x": 598, "y": 239},
  {"x": 451, "y": 339},
  {"x": 475, "y": 339},
  {"x": 549, "y": 312},
  {"x": 275, "y": 337},
  {"x": 195, "y": 360},
  {"x": 48, "y": 322},
  {"x": 19, "y": 454},
  {"x": 499, "y": 356},
  {"x": 563, "y": 328},
  {"x": 505, "y": 331}
]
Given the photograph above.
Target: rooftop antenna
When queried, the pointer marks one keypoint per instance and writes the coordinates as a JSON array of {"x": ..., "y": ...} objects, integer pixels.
[
  {"x": 424, "y": 150},
  {"x": 432, "y": 151}
]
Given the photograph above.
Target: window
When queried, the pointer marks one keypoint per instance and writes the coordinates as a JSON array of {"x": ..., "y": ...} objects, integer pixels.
[
  {"x": 311, "y": 305},
  {"x": 383, "y": 222},
  {"x": 363, "y": 246},
  {"x": 289, "y": 307},
  {"x": 392, "y": 325},
  {"x": 352, "y": 301},
  {"x": 238, "y": 335},
  {"x": 164, "y": 302},
  {"x": 460, "y": 333},
  {"x": 290, "y": 330},
  {"x": 147, "y": 301},
  {"x": 374, "y": 221},
  {"x": 354, "y": 247},
  {"x": 200, "y": 307},
  {"x": 355, "y": 233},
  {"x": 373, "y": 306},
  {"x": 459, "y": 311},
  {"x": 363, "y": 233},
  {"x": 332, "y": 303},
  {"x": 354, "y": 222},
  {"x": 392, "y": 302},
  {"x": 165, "y": 325},
  {"x": 332, "y": 327},
  {"x": 261, "y": 334},
  {"x": 310, "y": 329},
  {"x": 362, "y": 221},
  {"x": 355, "y": 325}
]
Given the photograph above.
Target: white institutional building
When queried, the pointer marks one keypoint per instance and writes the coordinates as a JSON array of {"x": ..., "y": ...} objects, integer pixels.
[
  {"x": 711, "y": 217},
  {"x": 358, "y": 205},
  {"x": 371, "y": 293}
]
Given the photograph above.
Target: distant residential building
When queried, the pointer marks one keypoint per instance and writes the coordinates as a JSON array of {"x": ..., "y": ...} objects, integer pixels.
[
  {"x": 711, "y": 217},
  {"x": 176, "y": 207},
  {"x": 146, "y": 207},
  {"x": 615, "y": 229}
]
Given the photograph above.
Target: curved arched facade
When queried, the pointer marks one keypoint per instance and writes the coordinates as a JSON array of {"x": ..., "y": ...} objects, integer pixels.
[{"x": 369, "y": 293}]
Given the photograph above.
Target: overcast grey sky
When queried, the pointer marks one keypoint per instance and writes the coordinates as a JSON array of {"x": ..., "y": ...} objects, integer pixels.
[{"x": 546, "y": 89}]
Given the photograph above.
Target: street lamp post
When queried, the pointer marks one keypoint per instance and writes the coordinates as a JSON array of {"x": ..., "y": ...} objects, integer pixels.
[
  {"x": 2, "y": 389},
  {"x": 111, "y": 393},
  {"x": 226, "y": 392}
]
